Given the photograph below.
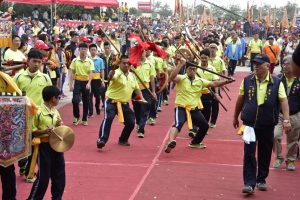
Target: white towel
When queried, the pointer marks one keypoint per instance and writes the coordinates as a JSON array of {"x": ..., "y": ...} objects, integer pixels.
[{"x": 249, "y": 135}]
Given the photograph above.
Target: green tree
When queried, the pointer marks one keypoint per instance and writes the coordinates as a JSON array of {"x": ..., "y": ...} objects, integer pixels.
[
  {"x": 165, "y": 11},
  {"x": 133, "y": 11},
  {"x": 233, "y": 9}
]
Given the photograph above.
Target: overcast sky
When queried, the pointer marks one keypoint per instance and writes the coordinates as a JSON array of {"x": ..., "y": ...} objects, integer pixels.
[{"x": 242, "y": 3}]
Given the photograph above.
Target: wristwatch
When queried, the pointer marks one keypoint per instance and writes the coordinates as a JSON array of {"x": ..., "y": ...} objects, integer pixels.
[{"x": 286, "y": 121}]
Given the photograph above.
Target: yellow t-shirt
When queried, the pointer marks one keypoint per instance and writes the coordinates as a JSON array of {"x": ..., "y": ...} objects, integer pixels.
[
  {"x": 229, "y": 40},
  {"x": 14, "y": 55},
  {"x": 160, "y": 64},
  {"x": 33, "y": 86},
  {"x": 220, "y": 50},
  {"x": 188, "y": 91},
  {"x": 218, "y": 64},
  {"x": 255, "y": 46},
  {"x": 35, "y": 30},
  {"x": 145, "y": 72},
  {"x": 262, "y": 90},
  {"x": 45, "y": 118},
  {"x": 290, "y": 82},
  {"x": 82, "y": 68},
  {"x": 233, "y": 49},
  {"x": 207, "y": 75},
  {"x": 121, "y": 86},
  {"x": 56, "y": 30}
]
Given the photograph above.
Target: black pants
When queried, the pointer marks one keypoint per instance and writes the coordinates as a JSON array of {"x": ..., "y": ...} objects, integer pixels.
[
  {"x": 214, "y": 111},
  {"x": 207, "y": 100},
  {"x": 102, "y": 94},
  {"x": 110, "y": 111},
  {"x": 142, "y": 111},
  {"x": 80, "y": 91},
  {"x": 154, "y": 105},
  {"x": 95, "y": 92},
  {"x": 264, "y": 140},
  {"x": 8, "y": 179},
  {"x": 51, "y": 165},
  {"x": 197, "y": 119},
  {"x": 252, "y": 55},
  {"x": 231, "y": 67}
]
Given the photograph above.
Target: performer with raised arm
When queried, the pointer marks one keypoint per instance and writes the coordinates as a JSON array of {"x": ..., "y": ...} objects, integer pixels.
[
  {"x": 122, "y": 84},
  {"x": 188, "y": 91}
]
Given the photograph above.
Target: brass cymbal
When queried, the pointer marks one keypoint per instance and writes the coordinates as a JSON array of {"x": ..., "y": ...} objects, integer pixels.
[
  {"x": 187, "y": 54},
  {"x": 62, "y": 139}
]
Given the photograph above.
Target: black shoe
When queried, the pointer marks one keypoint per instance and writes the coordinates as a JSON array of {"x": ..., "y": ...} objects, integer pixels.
[
  {"x": 192, "y": 134},
  {"x": 90, "y": 115},
  {"x": 262, "y": 186},
  {"x": 124, "y": 143},
  {"x": 100, "y": 144},
  {"x": 248, "y": 189},
  {"x": 171, "y": 145},
  {"x": 98, "y": 112}
]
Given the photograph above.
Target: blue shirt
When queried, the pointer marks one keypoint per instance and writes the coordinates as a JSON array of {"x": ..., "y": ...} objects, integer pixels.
[{"x": 99, "y": 64}]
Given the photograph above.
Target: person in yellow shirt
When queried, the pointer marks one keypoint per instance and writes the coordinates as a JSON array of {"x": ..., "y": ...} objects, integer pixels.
[
  {"x": 8, "y": 176},
  {"x": 146, "y": 72},
  {"x": 51, "y": 163},
  {"x": 13, "y": 53},
  {"x": 207, "y": 97},
  {"x": 121, "y": 12},
  {"x": 188, "y": 91},
  {"x": 291, "y": 85},
  {"x": 81, "y": 70},
  {"x": 218, "y": 63},
  {"x": 126, "y": 11},
  {"x": 121, "y": 86},
  {"x": 254, "y": 48},
  {"x": 32, "y": 81},
  {"x": 261, "y": 95}
]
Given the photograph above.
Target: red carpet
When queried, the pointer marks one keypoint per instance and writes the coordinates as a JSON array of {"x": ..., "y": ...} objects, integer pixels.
[{"x": 142, "y": 171}]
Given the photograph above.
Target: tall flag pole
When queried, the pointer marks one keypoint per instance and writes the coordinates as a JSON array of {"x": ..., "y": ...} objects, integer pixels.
[
  {"x": 294, "y": 22},
  {"x": 285, "y": 21},
  {"x": 268, "y": 19}
]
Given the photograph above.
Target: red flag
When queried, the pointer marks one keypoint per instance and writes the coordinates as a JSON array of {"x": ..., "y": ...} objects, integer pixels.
[
  {"x": 136, "y": 52},
  {"x": 160, "y": 52}
]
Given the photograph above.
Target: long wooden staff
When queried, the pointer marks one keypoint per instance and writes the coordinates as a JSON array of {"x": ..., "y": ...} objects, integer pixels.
[{"x": 133, "y": 71}]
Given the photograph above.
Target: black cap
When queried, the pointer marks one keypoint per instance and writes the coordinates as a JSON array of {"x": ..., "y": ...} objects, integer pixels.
[
  {"x": 25, "y": 37},
  {"x": 271, "y": 37},
  {"x": 261, "y": 58}
]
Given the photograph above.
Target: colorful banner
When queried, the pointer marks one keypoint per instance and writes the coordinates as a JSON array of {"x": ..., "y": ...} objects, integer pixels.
[
  {"x": 5, "y": 32},
  {"x": 15, "y": 126}
]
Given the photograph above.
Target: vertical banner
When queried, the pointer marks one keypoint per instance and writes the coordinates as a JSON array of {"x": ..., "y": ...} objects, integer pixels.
[{"x": 5, "y": 32}]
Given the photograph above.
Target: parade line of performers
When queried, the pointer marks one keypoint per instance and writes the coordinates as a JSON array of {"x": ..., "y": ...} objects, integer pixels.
[{"x": 98, "y": 73}]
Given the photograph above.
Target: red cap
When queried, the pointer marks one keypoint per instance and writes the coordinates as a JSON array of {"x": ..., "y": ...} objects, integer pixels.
[
  {"x": 41, "y": 45},
  {"x": 99, "y": 39},
  {"x": 84, "y": 39},
  {"x": 56, "y": 39}
]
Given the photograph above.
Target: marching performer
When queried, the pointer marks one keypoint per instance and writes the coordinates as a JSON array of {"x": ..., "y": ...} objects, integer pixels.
[
  {"x": 51, "y": 164},
  {"x": 122, "y": 84},
  {"x": 32, "y": 81},
  {"x": 188, "y": 91},
  {"x": 96, "y": 83},
  {"x": 218, "y": 63},
  {"x": 146, "y": 71},
  {"x": 80, "y": 83},
  {"x": 206, "y": 97}
]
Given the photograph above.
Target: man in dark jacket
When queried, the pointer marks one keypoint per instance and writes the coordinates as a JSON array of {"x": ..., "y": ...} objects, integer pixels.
[{"x": 260, "y": 96}]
